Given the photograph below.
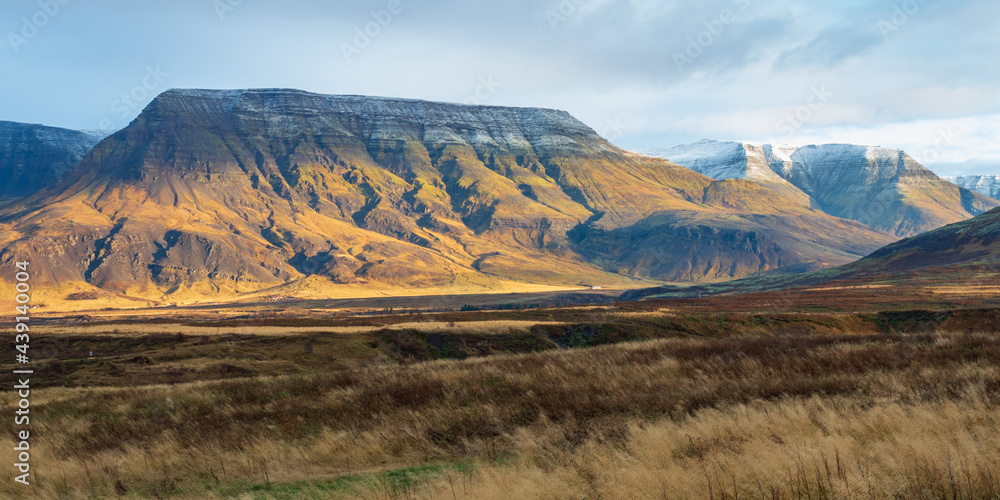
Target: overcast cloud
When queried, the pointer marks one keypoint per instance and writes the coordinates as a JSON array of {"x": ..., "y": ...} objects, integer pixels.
[{"x": 920, "y": 76}]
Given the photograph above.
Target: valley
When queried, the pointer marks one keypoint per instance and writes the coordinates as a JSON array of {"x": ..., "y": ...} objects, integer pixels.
[
  {"x": 405, "y": 399},
  {"x": 273, "y": 294}
]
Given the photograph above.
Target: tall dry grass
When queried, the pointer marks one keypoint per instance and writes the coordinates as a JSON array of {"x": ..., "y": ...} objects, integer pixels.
[
  {"x": 816, "y": 448},
  {"x": 786, "y": 417}
]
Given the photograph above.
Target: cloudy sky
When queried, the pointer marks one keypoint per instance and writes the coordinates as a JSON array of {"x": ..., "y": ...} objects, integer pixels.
[{"x": 914, "y": 74}]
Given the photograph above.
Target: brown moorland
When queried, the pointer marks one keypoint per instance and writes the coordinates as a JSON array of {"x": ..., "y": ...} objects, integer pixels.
[{"x": 682, "y": 398}]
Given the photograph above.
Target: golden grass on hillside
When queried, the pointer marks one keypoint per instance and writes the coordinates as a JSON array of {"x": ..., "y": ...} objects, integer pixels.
[{"x": 708, "y": 418}]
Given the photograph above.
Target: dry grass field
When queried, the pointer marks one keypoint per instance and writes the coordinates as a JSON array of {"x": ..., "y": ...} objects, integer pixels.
[
  {"x": 663, "y": 399},
  {"x": 812, "y": 416}
]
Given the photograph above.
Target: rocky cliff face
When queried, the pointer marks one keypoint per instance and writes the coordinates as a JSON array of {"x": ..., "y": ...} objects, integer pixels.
[
  {"x": 986, "y": 185},
  {"x": 212, "y": 192},
  {"x": 882, "y": 188},
  {"x": 35, "y": 156}
]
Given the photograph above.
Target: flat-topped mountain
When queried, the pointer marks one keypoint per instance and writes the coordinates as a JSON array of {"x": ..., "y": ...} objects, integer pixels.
[
  {"x": 215, "y": 192},
  {"x": 986, "y": 185},
  {"x": 883, "y": 188},
  {"x": 35, "y": 156}
]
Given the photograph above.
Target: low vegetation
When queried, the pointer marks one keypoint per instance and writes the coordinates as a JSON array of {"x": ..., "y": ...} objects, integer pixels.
[{"x": 807, "y": 414}]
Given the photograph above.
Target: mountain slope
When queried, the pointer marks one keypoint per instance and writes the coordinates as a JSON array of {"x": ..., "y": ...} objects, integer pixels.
[
  {"x": 209, "y": 193},
  {"x": 35, "y": 156},
  {"x": 950, "y": 249},
  {"x": 883, "y": 188},
  {"x": 973, "y": 241},
  {"x": 758, "y": 231},
  {"x": 986, "y": 185}
]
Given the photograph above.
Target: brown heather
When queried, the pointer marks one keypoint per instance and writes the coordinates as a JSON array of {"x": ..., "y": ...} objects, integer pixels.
[{"x": 807, "y": 416}]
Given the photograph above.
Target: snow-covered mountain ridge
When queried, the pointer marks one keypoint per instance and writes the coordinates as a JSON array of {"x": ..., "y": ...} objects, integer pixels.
[
  {"x": 881, "y": 187},
  {"x": 986, "y": 185}
]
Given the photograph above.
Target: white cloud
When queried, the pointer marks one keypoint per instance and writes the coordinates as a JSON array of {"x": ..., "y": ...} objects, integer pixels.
[{"x": 612, "y": 60}]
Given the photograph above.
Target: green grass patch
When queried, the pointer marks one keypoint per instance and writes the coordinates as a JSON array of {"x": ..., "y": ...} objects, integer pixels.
[{"x": 394, "y": 482}]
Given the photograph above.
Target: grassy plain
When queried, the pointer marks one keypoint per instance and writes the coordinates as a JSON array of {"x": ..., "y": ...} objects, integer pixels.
[{"x": 840, "y": 391}]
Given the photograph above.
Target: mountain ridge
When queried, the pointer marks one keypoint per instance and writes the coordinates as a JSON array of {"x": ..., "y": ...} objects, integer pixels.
[
  {"x": 986, "y": 185},
  {"x": 216, "y": 193},
  {"x": 34, "y": 156},
  {"x": 881, "y": 187}
]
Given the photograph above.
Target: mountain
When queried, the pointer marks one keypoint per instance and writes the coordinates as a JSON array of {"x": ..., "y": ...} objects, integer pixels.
[
  {"x": 882, "y": 188},
  {"x": 957, "y": 251},
  {"x": 215, "y": 193},
  {"x": 35, "y": 156},
  {"x": 986, "y": 185},
  {"x": 973, "y": 241}
]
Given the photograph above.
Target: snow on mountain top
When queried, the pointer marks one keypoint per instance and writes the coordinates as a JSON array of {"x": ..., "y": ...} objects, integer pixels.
[
  {"x": 987, "y": 185},
  {"x": 780, "y": 153},
  {"x": 974, "y": 178},
  {"x": 699, "y": 151},
  {"x": 233, "y": 95},
  {"x": 99, "y": 134},
  {"x": 716, "y": 159},
  {"x": 730, "y": 159},
  {"x": 807, "y": 166},
  {"x": 385, "y": 110},
  {"x": 75, "y": 142},
  {"x": 709, "y": 154}
]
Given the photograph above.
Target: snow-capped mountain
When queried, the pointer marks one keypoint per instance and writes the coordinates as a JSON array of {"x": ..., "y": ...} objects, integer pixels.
[
  {"x": 34, "y": 156},
  {"x": 986, "y": 185},
  {"x": 881, "y": 187}
]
